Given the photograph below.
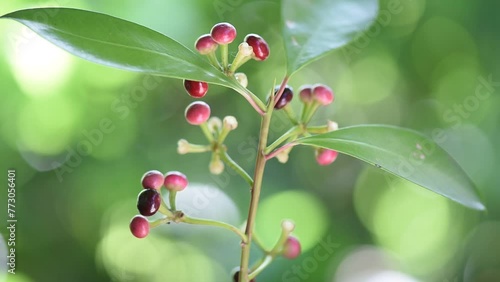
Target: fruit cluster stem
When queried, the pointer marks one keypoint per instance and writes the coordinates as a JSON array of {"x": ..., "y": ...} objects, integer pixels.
[{"x": 260, "y": 165}]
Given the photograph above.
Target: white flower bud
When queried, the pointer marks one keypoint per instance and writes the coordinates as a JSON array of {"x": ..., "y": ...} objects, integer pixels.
[
  {"x": 214, "y": 124},
  {"x": 332, "y": 126},
  {"x": 241, "y": 78},
  {"x": 245, "y": 50},
  {"x": 183, "y": 147},
  {"x": 216, "y": 166},
  {"x": 230, "y": 123},
  {"x": 288, "y": 225}
]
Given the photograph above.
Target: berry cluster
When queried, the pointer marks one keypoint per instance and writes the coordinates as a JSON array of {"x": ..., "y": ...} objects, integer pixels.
[
  {"x": 150, "y": 200},
  {"x": 312, "y": 97},
  {"x": 216, "y": 130}
]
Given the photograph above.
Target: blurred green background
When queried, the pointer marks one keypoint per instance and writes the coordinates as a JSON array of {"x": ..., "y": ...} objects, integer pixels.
[{"x": 432, "y": 66}]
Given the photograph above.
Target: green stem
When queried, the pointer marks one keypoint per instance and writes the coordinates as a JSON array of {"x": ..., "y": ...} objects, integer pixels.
[
  {"x": 310, "y": 112},
  {"x": 213, "y": 60},
  {"x": 232, "y": 164},
  {"x": 171, "y": 199},
  {"x": 158, "y": 222},
  {"x": 291, "y": 132},
  {"x": 165, "y": 210},
  {"x": 260, "y": 164},
  {"x": 317, "y": 129},
  {"x": 206, "y": 131},
  {"x": 290, "y": 114},
  {"x": 208, "y": 222},
  {"x": 238, "y": 62},
  {"x": 265, "y": 262},
  {"x": 254, "y": 101},
  {"x": 224, "y": 53}
]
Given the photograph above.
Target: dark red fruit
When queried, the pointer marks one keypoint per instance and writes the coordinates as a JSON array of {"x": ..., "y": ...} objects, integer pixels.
[
  {"x": 259, "y": 46},
  {"x": 197, "y": 113},
  {"x": 152, "y": 179},
  {"x": 205, "y": 44},
  {"x": 148, "y": 202},
  {"x": 139, "y": 226},
  {"x": 223, "y": 33},
  {"x": 285, "y": 98},
  {"x": 196, "y": 89}
]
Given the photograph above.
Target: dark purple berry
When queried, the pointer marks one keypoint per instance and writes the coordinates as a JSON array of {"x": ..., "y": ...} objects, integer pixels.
[
  {"x": 196, "y": 89},
  {"x": 285, "y": 98},
  {"x": 223, "y": 33},
  {"x": 152, "y": 179},
  {"x": 259, "y": 46},
  {"x": 139, "y": 226},
  {"x": 148, "y": 202}
]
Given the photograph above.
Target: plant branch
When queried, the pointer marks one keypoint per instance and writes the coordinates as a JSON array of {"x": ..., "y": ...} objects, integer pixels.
[
  {"x": 232, "y": 164},
  {"x": 208, "y": 222},
  {"x": 260, "y": 164},
  {"x": 280, "y": 149},
  {"x": 291, "y": 132}
]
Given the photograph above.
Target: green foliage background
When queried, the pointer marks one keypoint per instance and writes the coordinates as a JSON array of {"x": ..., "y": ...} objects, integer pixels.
[{"x": 431, "y": 66}]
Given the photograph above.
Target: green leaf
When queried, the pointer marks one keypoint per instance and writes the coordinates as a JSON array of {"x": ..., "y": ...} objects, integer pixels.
[
  {"x": 312, "y": 28},
  {"x": 404, "y": 153},
  {"x": 118, "y": 43}
]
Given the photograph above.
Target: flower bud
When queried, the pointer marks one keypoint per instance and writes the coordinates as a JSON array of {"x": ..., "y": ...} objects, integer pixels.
[
  {"x": 230, "y": 123},
  {"x": 214, "y": 124},
  {"x": 241, "y": 78},
  {"x": 183, "y": 147}
]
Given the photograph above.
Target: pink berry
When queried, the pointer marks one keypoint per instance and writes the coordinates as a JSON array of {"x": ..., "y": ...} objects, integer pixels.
[
  {"x": 305, "y": 93},
  {"x": 175, "y": 181},
  {"x": 196, "y": 89},
  {"x": 139, "y": 226},
  {"x": 152, "y": 179},
  {"x": 323, "y": 94},
  {"x": 205, "y": 44},
  {"x": 291, "y": 248},
  {"x": 325, "y": 156},
  {"x": 223, "y": 33},
  {"x": 259, "y": 46},
  {"x": 197, "y": 113}
]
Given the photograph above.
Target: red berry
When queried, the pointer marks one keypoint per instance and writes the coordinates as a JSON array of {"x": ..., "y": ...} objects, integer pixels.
[
  {"x": 285, "y": 98},
  {"x": 175, "y": 181},
  {"x": 223, "y": 33},
  {"x": 205, "y": 44},
  {"x": 148, "y": 202},
  {"x": 196, "y": 89},
  {"x": 197, "y": 113},
  {"x": 305, "y": 93},
  {"x": 259, "y": 46},
  {"x": 325, "y": 156},
  {"x": 152, "y": 179},
  {"x": 139, "y": 226},
  {"x": 291, "y": 248},
  {"x": 323, "y": 94}
]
